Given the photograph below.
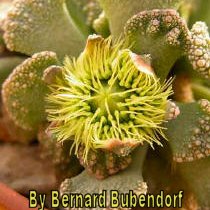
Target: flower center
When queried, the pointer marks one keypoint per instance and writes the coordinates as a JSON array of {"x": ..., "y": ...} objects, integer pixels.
[{"x": 107, "y": 99}]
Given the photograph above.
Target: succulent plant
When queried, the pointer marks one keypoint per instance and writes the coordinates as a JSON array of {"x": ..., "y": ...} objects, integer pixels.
[
  {"x": 168, "y": 33},
  {"x": 21, "y": 35},
  {"x": 106, "y": 98},
  {"x": 191, "y": 148},
  {"x": 18, "y": 94},
  {"x": 141, "y": 80}
]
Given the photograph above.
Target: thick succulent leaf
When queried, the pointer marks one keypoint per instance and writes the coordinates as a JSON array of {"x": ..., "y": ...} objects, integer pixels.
[
  {"x": 24, "y": 90},
  {"x": 189, "y": 138},
  {"x": 7, "y": 64},
  {"x": 35, "y": 26},
  {"x": 164, "y": 32},
  {"x": 119, "y": 11},
  {"x": 161, "y": 33},
  {"x": 189, "y": 134},
  {"x": 84, "y": 12},
  {"x": 129, "y": 179}
]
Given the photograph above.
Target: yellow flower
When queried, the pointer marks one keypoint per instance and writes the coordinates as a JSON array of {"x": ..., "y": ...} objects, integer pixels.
[{"x": 108, "y": 98}]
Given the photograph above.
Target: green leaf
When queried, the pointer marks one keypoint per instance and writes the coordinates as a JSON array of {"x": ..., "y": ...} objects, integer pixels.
[
  {"x": 189, "y": 133},
  {"x": 161, "y": 33},
  {"x": 24, "y": 90},
  {"x": 35, "y": 26}
]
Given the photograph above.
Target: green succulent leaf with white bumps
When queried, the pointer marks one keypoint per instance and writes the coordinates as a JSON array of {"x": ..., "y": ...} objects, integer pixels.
[
  {"x": 24, "y": 90},
  {"x": 189, "y": 139},
  {"x": 161, "y": 33},
  {"x": 123, "y": 182},
  {"x": 189, "y": 134},
  {"x": 108, "y": 98},
  {"x": 164, "y": 32},
  {"x": 35, "y": 26}
]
